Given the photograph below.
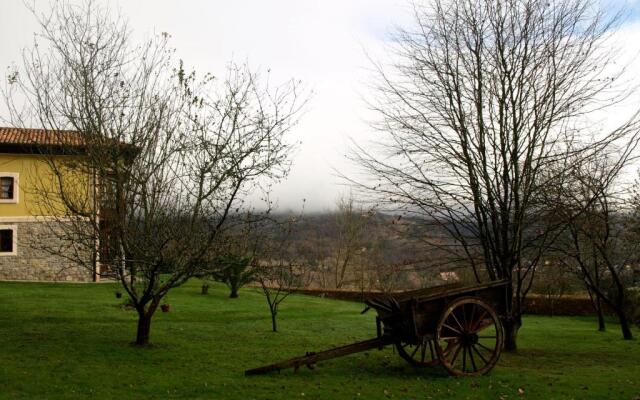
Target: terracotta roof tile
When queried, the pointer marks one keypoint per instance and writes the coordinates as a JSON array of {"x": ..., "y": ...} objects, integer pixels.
[{"x": 26, "y": 136}]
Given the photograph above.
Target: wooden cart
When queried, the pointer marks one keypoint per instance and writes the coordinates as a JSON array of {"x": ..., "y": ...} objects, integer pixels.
[{"x": 457, "y": 327}]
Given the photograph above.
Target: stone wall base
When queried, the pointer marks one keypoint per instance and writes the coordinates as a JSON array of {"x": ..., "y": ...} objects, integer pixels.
[{"x": 32, "y": 262}]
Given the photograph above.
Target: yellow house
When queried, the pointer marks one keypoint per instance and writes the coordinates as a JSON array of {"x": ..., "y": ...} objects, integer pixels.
[{"x": 31, "y": 246}]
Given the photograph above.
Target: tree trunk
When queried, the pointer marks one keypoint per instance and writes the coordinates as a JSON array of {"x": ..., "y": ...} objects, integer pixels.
[
  {"x": 513, "y": 320},
  {"x": 511, "y": 327},
  {"x": 144, "y": 322},
  {"x": 596, "y": 302},
  {"x": 144, "y": 329},
  {"x": 624, "y": 324},
  {"x": 274, "y": 324},
  {"x": 600, "y": 311},
  {"x": 234, "y": 293}
]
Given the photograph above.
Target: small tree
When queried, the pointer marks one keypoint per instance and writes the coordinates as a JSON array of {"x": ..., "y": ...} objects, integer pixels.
[
  {"x": 351, "y": 221},
  {"x": 237, "y": 250},
  {"x": 276, "y": 268},
  {"x": 171, "y": 156},
  {"x": 594, "y": 241},
  {"x": 553, "y": 281},
  {"x": 276, "y": 282},
  {"x": 234, "y": 271}
]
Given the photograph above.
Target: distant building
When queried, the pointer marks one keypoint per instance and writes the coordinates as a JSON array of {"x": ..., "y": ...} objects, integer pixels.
[{"x": 27, "y": 227}]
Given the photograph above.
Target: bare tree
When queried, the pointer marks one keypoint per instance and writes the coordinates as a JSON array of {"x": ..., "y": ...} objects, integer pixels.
[
  {"x": 276, "y": 267},
  {"x": 351, "y": 221},
  {"x": 553, "y": 281},
  {"x": 594, "y": 242},
  {"x": 234, "y": 264},
  {"x": 171, "y": 155},
  {"x": 235, "y": 271},
  {"x": 483, "y": 95},
  {"x": 277, "y": 282}
]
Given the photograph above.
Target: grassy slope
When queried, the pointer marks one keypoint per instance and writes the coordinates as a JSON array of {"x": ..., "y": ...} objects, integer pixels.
[{"x": 71, "y": 341}]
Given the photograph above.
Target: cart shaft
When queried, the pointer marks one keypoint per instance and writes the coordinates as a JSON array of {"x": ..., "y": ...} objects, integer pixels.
[{"x": 311, "y": 358}]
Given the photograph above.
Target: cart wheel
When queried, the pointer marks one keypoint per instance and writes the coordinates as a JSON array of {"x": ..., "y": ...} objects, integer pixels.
[
  {"x": 469, "y": 337},
  {"x": 422, "y": 354}
]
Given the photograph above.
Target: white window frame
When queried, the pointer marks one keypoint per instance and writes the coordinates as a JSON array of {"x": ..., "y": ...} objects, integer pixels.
[
  {"x": 13, "y": 228},
  {"x": 16, "y": 187}
]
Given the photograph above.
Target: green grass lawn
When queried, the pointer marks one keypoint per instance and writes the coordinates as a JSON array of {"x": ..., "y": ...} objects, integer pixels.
[{"x": 72, "y": 341}]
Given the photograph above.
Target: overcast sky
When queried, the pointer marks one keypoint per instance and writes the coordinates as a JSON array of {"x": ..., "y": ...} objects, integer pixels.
[{"x": 322, "y": 42}]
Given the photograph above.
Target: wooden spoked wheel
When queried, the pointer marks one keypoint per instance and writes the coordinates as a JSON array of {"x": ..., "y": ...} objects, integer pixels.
[
  {"x": 469, "y": 337},
  {"x": 422, "y": 354}
]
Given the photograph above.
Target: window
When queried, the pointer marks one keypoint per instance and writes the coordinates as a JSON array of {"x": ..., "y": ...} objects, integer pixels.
[
  {"x": 8, "y": 240},
  {"x": 8, "y": 187}
]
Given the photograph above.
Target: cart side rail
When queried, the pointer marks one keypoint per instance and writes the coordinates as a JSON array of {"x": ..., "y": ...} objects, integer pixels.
[{"x": 428, "y": 294}]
